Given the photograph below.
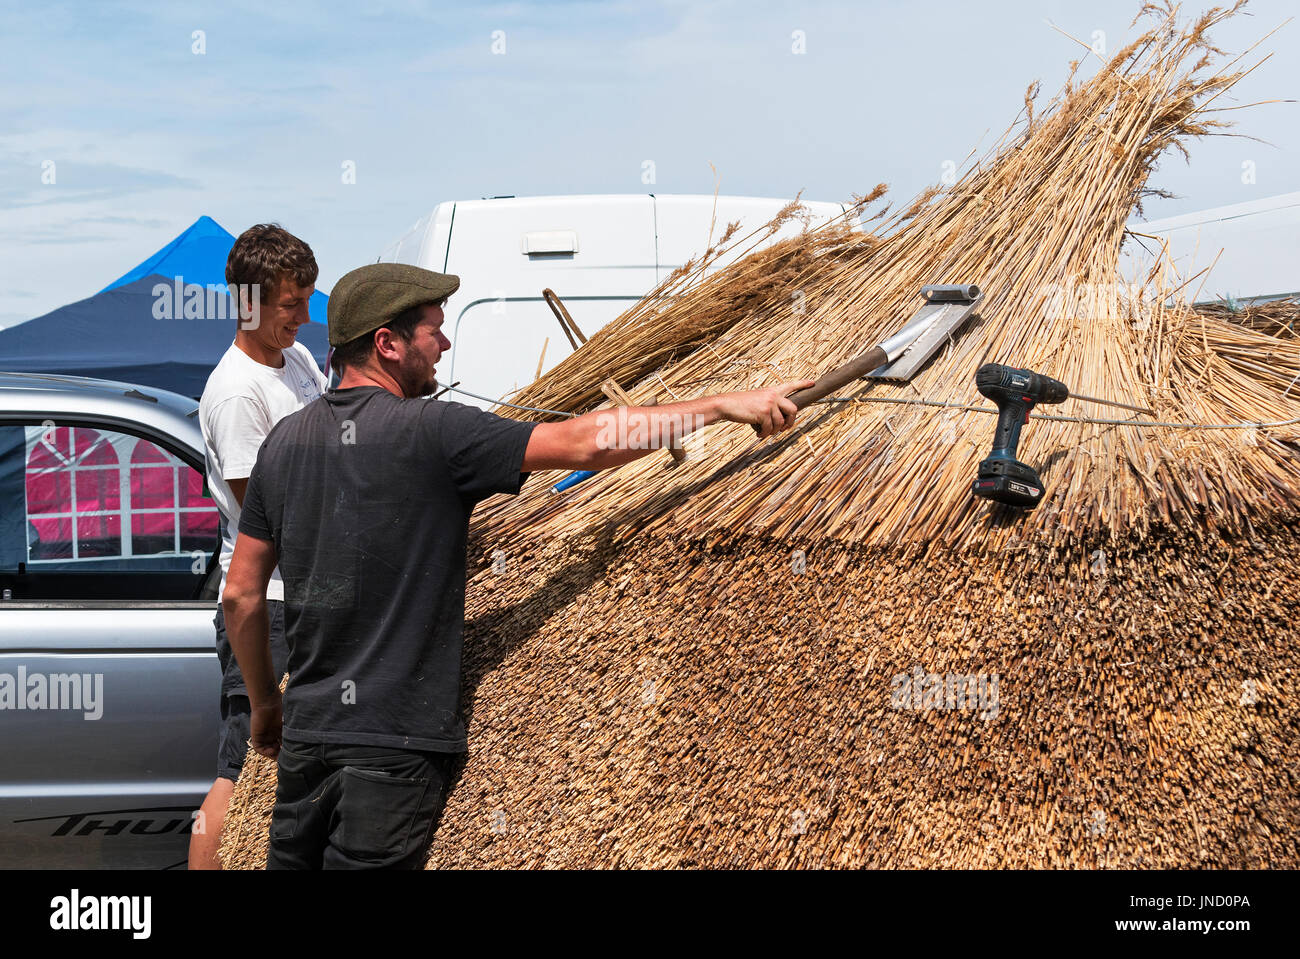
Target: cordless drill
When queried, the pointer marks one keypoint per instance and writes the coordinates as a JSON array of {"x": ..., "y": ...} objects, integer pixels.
[{"x": 1002, "y": 477}]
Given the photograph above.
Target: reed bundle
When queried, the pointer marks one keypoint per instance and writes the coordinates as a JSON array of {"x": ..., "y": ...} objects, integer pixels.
[
  {"x": 1276, "y": 317},
  {"x": 764, "y": 656}
]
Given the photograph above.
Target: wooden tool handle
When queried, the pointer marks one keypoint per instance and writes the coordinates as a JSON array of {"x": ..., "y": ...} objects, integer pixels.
[
  {"x": 830, "y": 382},
  {"x": 562, "y": 314}
]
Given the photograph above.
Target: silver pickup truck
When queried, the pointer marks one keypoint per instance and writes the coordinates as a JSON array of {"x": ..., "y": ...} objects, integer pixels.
[{"x": 108, "y": 584}]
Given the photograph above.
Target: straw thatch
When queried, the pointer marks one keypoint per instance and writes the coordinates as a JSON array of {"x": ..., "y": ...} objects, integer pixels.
[
  {"x": 701, "y": 665},
  {"x": 1276, "y": 317}
]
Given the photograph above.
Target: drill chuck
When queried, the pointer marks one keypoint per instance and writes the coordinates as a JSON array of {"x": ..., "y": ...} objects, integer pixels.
[{"x": 994, "y": 377}]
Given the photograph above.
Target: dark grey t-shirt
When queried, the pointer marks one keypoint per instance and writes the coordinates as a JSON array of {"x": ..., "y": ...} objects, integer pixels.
[{"x": 367, "y": 498}]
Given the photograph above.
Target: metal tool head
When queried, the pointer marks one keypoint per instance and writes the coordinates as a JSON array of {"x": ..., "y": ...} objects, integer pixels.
[{"x": 945, "y": 309}]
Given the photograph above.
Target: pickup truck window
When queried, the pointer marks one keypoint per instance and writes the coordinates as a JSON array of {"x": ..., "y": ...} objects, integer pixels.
[{"x": 88, "y": 512}]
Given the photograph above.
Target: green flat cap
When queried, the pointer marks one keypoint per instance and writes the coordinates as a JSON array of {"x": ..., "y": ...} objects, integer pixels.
[{"x": 373, "y": 295}]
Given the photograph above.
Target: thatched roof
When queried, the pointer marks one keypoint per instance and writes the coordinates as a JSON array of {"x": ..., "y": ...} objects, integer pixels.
[
  {"x": 700, "y": 664},
  {"x": 1276, "y": 317}
]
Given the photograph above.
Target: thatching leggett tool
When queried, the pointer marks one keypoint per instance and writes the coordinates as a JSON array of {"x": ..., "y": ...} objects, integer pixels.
[{"x": 899, "y": 357}]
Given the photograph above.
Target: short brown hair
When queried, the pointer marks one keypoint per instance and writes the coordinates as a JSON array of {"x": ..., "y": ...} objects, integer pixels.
[
  {"x": 265, "y": 254},
  {"x": 356, "y": 351}
]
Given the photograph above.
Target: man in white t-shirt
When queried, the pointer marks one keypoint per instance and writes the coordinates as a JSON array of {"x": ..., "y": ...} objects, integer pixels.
[{"x": 264, "y": 376}]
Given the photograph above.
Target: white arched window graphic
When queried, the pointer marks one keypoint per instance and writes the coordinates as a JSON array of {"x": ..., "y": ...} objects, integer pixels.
[
  {"x": 98, "y": 494},
  {"x": 74, "y": 508}
]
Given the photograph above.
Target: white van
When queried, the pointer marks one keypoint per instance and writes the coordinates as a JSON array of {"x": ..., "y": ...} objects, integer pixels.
[
  {"x": 1248, "y": 248},
  {"x": 599, "y": 254}
]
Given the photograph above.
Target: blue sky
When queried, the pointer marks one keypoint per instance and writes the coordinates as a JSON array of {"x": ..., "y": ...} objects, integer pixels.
[{"x": 145, "y": 134}]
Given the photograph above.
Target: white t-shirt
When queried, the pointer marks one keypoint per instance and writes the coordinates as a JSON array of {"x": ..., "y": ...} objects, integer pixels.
[{"x": 241, "y": 402}]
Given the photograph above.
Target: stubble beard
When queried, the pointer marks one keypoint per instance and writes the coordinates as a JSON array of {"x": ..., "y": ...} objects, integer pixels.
[{"x": 419, "y": 385}]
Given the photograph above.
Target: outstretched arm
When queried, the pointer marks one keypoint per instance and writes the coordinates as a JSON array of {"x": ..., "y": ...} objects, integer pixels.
[{"x": 606, "y": 438}]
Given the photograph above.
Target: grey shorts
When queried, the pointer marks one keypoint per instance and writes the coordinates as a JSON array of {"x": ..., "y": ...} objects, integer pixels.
[{"x": 232, "y": 739}]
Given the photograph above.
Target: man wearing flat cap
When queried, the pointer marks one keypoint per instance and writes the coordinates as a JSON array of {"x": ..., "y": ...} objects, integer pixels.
[{"x": 364, "y": 498}]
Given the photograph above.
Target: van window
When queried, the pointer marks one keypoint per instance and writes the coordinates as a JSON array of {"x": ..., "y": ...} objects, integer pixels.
[
  {"x": 93, "y": 513},
  {"x": 497, "y": 345}
]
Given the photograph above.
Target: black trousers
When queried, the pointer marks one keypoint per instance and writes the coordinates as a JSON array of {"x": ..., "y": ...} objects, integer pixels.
[{"x": 355, "y": 807}]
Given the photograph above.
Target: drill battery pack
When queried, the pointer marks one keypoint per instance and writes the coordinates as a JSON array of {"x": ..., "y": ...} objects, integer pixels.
[{"x": 1008, "y": 481}]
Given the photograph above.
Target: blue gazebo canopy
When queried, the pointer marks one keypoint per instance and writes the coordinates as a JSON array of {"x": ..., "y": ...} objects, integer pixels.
[
  {"x": 199, "y": 256},
  {"x": 138, "y": 329},
  {"x": 119, "y": 335}
]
